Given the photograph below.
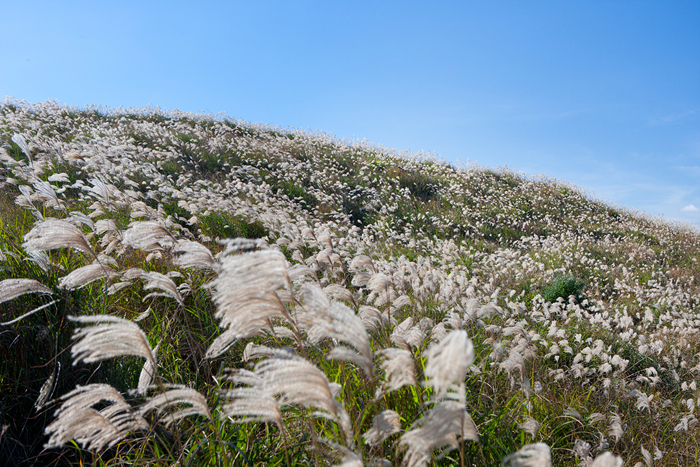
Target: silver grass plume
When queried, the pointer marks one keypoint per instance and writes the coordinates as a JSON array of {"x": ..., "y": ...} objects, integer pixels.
[
  {"x": 85, "y": 275},
  {"x": 250, "y": 403},
  {"x": 156, "y": 280},
  {"x": 615, "y": 426},
  {"x": 176, "y": 396},
  {"x": 244, "y": 294},
  {"x": 333, "y": 320},
  {"x": 384, "y": 425},
  {"x": 607, "y": 459},
  {"x": 148, "y": 372},
  {"x": 22, "y": 143},
  {"x": 48, "y": 387},
  {"x": 407, "y": 335},
  {"x": 447, "y": 364},
  {"x": 148, "y": 236},
  {"x": 285, "y": 379},
  {"x": 52, "y": 234},
  {"x": 13, "y": 288},
  {"x": 398, "y": 368},
  {"x": 443, "y": 426},
  {"x": 95, "y": 430},
  {"x": 189, "y": 254},
  {"x": 530, "y": 455},
  {"x": 46, "y": 194},
  {"x": 110, "y": 337}
]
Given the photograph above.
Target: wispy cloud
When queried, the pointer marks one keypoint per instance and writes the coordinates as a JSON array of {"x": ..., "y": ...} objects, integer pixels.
[
  {"x": 690, "y": 208},
  {"x": 671, "y": 118}
]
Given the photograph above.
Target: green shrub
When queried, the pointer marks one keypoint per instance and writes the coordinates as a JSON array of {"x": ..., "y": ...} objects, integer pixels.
[{"x": 562, "y": 286}]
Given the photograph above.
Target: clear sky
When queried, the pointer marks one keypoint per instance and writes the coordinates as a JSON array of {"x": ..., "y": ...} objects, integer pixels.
[{"x": 602, "y": 94}]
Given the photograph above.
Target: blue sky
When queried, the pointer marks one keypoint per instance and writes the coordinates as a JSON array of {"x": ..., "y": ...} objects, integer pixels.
[{"x": 602, "y": 94}]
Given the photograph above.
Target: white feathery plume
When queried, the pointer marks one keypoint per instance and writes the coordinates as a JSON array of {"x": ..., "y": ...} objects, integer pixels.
[
  {"x": 648, "y": 460},
  {"x": 378, "y": 282},
  {"x": 447, "y": 364},
  {"x": 398, "y": 368},
  {"x": 361, "y": 262},
  {"x": 48, "y": 387},
  {"x": 156, "y": 280},
  {"x": 299, "y": 271},
  {"x": 350, "y": 458},
  {"x": 45, "y": 193},
  {"x": 530, "y": 426},
  {"x": 615, "y": 426},
  {"x": 52, "y": 234},
  {"x": 254, "y": 351},
  {"x": 148, "y": 372},
  {"x": 175, "y": 396},
  {"x": 85, "y": 275},
  {"x": 607, "y": 459},
  {"x": 530, "y": 455},
  {"x": 384, "y": 425},
  {"x": 78, "y": 218},
  {"x": 189, "y": 254},
  {"x": 148, "y": 236},
  {"x": 372, "y": 318},
  {"x": 105, "y": 225},
  {"x": 407, "y": 335},
  {"x": 283, "y": 380},
  {"x": 338, "y": 292},
  {"x": 110, "y": 337},
  {"x": 13, "y": 288},
  {"x": 250, "y": 403},
  {"x": 95, "y": 430},
  {"x": 442, "y": 427},
  {"x": 333, "y": 320},
  {"x": 244, "y": 294},
  {"x": 22, "y": 143}
]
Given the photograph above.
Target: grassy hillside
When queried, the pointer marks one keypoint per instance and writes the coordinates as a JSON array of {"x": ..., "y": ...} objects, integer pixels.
[{"x": 375, "y": 308}]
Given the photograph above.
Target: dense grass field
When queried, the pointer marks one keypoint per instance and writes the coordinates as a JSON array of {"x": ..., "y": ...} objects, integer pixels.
[{"x": 181, "y": 289}]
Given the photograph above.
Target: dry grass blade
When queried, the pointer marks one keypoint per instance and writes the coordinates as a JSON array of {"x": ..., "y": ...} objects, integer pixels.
[
  {"x": 86, "y": 275},
  {"x": 110, "y": 337},
  {"x": 177, "y": 396},
  {"x": 13, "y": 288},
  {"x": 52, "y": 234},
  {"x": 245, "y": 295},
  {"x": 95, "y": 430}
]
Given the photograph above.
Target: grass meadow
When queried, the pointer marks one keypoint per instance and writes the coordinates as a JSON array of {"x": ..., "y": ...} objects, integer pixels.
[{"x": 186, "y": 289}]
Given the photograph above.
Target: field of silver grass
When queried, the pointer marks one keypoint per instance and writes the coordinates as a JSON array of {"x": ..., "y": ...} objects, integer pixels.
[{"x": 181, "y": 289}]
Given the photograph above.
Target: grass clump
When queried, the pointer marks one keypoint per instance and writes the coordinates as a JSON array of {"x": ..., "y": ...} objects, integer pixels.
[{"x": 564, "y": 286}]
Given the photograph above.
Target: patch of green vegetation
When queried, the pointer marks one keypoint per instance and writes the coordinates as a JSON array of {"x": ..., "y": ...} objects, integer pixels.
[
  {"x": 221, "y": 224},
  {"x": 563, "y": 286}
]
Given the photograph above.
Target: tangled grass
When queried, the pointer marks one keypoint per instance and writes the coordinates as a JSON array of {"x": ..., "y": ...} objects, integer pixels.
[{"x": 234, "y": 294}]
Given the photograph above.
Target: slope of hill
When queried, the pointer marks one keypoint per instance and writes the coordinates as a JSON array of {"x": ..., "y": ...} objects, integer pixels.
[{"x": 385, "y": 308}]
